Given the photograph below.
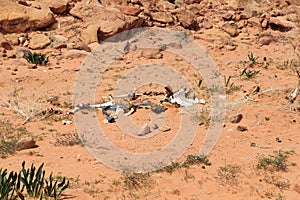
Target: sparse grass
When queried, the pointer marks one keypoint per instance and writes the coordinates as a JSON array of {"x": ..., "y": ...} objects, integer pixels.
[
  {"x": 24, "y": 107},
  {"x": 281, "y": 184},
  {"x": 228, "y": 174},
  {"x": 188, "y": 176},
  {"x": 229, "y": 86},
  {"x": 9, "y": 136},
  {"x": 136, "y": 180},
  {"x": 67, "y": 139},
  {"x": 92, "y": 191},
  {"x": 190, "y": 160},
  {"x": 277, "y": 162}
]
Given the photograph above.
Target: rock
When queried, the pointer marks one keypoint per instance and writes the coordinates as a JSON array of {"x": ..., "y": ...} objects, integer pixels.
[
  {"x": 188, "y": 2},
  {"x": 242, "y": 128},
  {"x": 90, "y": 34},
  {"x": 231, "y": 29},
  {"x": 163, "y": 17},
  {"x": 58, "y": 7},
  {"x": 4, "y": 43},
  {"x": 130, "y": 10},
  {"x": 230, "y": 47},
  {"x": 236, "y": 118},
  {"x": 165, "y": 129},
  {"x": 281, "y": 24},
  {"x": 39, "y": 41},
  {"x": 82, "y": 46},
  {"x": 254, "y": 22},
  {"x": 165, "y": 5},
  {"x": 22, "y": 18},
  {"x": 265, "y": 39},
  {"x": 264, "y": 23},
  {"x": 114, "y": 2},
  {"x": 144, "y": 131},
  {"x": 150, "y": 54},
  {"x": 25, "y": 143},
  {"x": 206, "y": 24},
  {"x": 110, "y": 20},
  {"x": 58, "y": 41},
  {"x": 21, "y": 52},
  {"x": 187, "y": 20},
  {"x": 228, "y": 16},
  {"x": 12, "y": 38},
  {"x": 74, "y": 53},
  {"x": 93, "y": 45}
]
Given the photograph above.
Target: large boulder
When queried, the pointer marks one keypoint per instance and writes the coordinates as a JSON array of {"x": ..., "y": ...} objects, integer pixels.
[
  {"x": 18, "y": 18},
  {"x": 110, "y": 20}
]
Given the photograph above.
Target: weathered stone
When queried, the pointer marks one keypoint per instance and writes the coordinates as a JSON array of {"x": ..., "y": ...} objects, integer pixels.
[
  {"x": 12, "y": 38},
  {"x": 74, "y": 53},
  {"x": 264, "y": 23},
  {"x": 165, "y": 5},
  {"x": 4, "y": 43},
  {"x": 21, "y": 52},
  {"x": 206, "y": 24},
  {"x": 18, "y": 18},
  {"x": 228, "y": 16},
  {"x": 39, "y": 41},
  {"x": 163, "y": 17},
  {"x": 149, "y": 54},
  {"x": 254, "y": 22},
  {"x": 58, "y": 41},
  {"x": 144, "y": 131},
  {"x": 114, "y": 2},
  {"x": 242, "y": 128},
  {"x": 110, "y": 20},
  {"x": 82, "y": 46},
  {"x": 130, "y": 10},
  {"x": 25, "y": 143},
  {"x": 231, "y": 29},
  {"x": 236, "y": 118},
  {"x": 265, "y": 39},
  {"x": 230, "y": 47},
  {"x": 187, "y": 20},
  {"x": 281, "y": 24},
  {"x": 58, "y": 7},
  {"x": 90, "y": 34}
]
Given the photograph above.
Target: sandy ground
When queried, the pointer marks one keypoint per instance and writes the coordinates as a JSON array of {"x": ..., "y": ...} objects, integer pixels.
[{"x": 272, "y": 127}]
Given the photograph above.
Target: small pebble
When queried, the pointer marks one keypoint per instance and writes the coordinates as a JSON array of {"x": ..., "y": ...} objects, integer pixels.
[
  {"x": 242, "y": 128},
  {"x": 236, "y": 118}
]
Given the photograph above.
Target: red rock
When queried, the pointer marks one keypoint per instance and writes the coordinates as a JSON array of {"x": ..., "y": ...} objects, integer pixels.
[{"x": 130, "y": 10}]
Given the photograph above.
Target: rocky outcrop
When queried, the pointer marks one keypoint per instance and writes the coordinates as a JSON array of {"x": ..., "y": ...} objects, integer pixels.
[
  {"x": 22, "y": 18},
  {"x": 110, "y": 20}
]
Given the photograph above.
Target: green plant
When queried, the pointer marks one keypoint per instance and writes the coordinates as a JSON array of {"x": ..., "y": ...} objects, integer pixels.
[
  {"x": 55, "y": 189},
  {"x": 10, "y": 186},
  {"x": 281, "y": 184},
  {"x": 196, "y": 159},
  {"x": 31, "y": 179},
  {"x": 37, "y": 59},
  {"x": 190, "y": 160},
  {"x": 276, "y": 162},
  {"x": 229, "y": 86},
  {"x": 9, "y": 137},
  {"x": 228, "y": 174},
  {"x": 135, "y": 180},
  {"x": 252, "y": 59},
  {"x": 249, "y": 73}
]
